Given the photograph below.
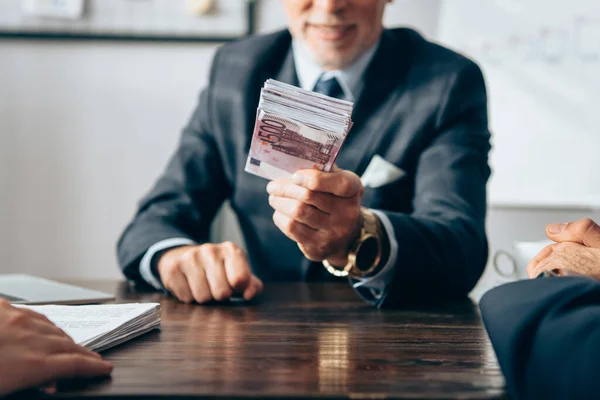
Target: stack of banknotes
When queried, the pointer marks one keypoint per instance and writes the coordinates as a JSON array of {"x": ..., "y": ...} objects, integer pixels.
[{"x": 296, "y": 129}]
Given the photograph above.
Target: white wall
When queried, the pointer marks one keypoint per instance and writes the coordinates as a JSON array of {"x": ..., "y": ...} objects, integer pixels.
[{"x": 85, "y": 128}]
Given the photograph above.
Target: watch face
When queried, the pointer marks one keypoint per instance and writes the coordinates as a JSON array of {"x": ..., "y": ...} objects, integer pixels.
[{"x": 367, "y": 253}]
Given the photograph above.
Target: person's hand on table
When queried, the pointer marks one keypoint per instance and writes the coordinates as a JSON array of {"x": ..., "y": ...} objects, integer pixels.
[
  {"x": 35, "y": 352},
  {"x": 576, "y": 251},
  {"x": 320, "y": 211},
  {"x": 208, "y": 272}
]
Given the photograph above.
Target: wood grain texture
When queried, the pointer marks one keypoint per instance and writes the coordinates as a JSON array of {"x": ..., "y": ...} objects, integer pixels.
[{"x": 301, "y": 341}]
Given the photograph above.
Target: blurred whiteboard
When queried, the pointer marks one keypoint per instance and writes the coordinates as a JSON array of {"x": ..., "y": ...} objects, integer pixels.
[
  {"x": 541, "y": 59},
  {"x": 130, "y": 19}
]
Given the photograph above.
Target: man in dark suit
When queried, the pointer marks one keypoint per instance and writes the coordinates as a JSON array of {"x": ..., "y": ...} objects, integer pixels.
[
  {"x": 413, "y": 230},
  {"x": 546, "y": 332}
]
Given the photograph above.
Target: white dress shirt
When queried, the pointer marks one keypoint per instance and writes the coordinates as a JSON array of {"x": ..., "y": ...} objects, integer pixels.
[{"x": 309, "y": 73}]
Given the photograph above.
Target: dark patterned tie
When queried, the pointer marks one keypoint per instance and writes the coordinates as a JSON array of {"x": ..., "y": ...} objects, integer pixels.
[{"x": 329, "y": 87}]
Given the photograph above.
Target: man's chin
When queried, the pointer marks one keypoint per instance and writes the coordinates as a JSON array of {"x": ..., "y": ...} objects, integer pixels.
[
  {"x": 335, "y": 62},
  {"x": 330, "y": 56},
  {"x": 333, "y": 58}
]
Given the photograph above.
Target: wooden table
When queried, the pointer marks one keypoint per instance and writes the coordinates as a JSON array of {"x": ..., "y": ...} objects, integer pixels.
[{"x": 301, "y": 341}]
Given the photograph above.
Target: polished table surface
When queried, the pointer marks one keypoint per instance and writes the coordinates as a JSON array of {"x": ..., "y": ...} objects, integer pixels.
[{"x": 301, "y": 341}]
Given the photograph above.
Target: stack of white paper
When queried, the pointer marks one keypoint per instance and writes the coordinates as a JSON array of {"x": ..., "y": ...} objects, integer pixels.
[{"x": 98, "y": 327}]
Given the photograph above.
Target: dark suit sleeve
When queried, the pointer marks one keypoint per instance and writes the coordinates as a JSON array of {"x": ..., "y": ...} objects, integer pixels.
[
  {"x": 442, "y": 245},
  {"x": 546, "y": 334},
  {"x": 185, "y": 198}
]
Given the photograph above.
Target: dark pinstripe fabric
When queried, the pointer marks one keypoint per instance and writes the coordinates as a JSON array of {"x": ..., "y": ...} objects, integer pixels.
[{"x": 423, "y": 108}]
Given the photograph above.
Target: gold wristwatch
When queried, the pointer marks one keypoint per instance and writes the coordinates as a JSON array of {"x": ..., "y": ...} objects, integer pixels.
[{"x": 365, "y": 252}]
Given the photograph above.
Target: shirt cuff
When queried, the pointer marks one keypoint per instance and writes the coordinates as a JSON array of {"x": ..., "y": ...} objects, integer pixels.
[
  {"x": 146, "y": 263},
  {"x": 377, "y": 283}
]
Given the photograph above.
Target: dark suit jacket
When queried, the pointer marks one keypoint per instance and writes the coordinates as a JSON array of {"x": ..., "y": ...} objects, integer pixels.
[
  {"x": 423, "y": 108},
  {"x": 546, "y": 333}
]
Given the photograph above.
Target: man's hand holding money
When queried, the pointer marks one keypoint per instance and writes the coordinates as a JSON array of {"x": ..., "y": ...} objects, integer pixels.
[{"x": 320, "y": 211}]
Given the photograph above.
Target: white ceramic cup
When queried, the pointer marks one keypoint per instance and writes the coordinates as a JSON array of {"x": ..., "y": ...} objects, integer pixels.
[{"x": 513, "y": 264}]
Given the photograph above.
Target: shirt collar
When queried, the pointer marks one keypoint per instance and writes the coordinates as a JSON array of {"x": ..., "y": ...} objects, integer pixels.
[{"x": 350, "y": 78}]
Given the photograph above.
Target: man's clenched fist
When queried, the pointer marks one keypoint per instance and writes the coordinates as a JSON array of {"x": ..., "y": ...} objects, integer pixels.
[{"x": 208, "y": 272}]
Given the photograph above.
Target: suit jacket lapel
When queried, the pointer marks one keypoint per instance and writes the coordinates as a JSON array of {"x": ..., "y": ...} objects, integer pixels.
[
  {"x": 287, "y": 73},
  {"x": 383, "y": 85},
  {"x": 273, "y": 68}
]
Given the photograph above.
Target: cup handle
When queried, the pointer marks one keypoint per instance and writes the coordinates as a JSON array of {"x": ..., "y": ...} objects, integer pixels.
[{"x": 500, "y": 271}]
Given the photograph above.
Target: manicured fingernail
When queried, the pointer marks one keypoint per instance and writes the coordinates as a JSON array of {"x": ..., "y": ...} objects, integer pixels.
[
  {"x": 270, "y": 187},
  {"x": 555, "y": 229},
  {"x": 298, "y": 179}
]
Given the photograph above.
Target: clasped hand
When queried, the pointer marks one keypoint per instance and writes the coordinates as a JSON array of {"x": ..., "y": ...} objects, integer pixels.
[{"x": 576, "y": 251}]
